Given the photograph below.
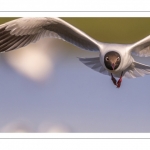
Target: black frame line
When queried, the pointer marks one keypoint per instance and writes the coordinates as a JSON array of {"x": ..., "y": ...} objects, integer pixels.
[
  {"x": 74, "y": 11},
  {"x": 79, "y": 138}
]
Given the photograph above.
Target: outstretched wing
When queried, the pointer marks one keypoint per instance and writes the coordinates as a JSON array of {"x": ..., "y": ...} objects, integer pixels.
[
  {"x": 137, "y": 70},
  {"x": 21, "y": 32},
  {"x": 141, "y": 48},
  {"x": 94, "y": 63}
]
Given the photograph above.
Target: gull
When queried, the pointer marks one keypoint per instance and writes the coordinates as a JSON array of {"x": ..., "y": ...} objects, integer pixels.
[{"x": 114, "y": 60}]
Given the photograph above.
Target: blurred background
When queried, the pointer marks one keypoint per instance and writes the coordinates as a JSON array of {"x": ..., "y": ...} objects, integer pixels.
[{"x": 44, "y": 87}]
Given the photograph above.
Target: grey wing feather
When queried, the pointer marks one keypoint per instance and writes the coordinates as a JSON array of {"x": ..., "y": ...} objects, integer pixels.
[
  {"x": 94, "y": 63},
  {"x": 141, "y": 48},
  {"x": 137, "y": 70},
  {"x": 21, "y": 32}
]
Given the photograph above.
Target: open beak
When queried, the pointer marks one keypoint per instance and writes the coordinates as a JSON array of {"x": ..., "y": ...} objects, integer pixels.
[{"x": 113, "y": 66}]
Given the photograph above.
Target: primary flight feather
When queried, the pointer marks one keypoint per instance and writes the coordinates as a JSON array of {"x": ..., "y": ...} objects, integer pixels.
[{"x": 114, "y": 60}]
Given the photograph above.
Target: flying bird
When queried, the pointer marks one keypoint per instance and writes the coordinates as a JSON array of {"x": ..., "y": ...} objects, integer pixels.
[{"x": 114, "y": 60}]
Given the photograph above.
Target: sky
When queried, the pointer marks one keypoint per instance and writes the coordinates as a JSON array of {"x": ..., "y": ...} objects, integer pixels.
[{"x": 72, "y": 97}]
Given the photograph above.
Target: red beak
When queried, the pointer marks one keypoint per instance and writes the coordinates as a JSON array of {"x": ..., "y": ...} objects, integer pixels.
[{"x": 113, "y": 66}]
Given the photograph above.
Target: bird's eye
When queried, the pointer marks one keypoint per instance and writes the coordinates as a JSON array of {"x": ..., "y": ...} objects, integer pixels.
[
  {"x": 107, "y": 59},
  {"x": 118, "y": 59}
]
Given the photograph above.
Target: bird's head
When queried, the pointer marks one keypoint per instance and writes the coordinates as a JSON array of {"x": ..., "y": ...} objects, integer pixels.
[{"x": 112, "y": 60}]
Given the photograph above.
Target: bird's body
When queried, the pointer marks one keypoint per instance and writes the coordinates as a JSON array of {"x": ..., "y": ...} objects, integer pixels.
[{"x": 114, "y": 60}]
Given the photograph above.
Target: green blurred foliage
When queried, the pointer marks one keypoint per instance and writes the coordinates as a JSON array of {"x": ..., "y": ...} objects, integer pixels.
[
  {"x": 5, "y": 19},
  {"x": 117, "y": 30}
]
